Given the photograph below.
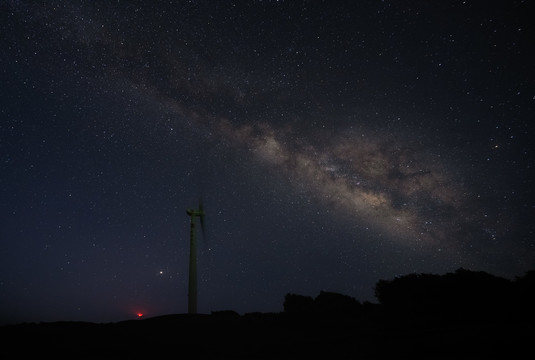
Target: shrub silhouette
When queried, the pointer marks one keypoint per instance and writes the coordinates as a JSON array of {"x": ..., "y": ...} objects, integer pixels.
[{"x": 326, "y": 303}]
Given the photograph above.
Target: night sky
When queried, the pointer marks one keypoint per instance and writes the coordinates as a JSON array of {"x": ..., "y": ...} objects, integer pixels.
[{"x": 334, "y": 144}]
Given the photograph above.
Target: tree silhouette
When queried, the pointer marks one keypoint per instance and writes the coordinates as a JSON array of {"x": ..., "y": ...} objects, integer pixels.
[
  {"x": 461, "y": 296},
  {"x": 298, "y": 304},
  {"x": 334, "y": 303}
]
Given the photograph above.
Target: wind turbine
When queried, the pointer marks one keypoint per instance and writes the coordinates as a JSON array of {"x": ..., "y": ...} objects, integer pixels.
[{"x": 192, "y": 286}]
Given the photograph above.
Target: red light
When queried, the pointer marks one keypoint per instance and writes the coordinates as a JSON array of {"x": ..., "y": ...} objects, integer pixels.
[{"x": 139, "y": 315}]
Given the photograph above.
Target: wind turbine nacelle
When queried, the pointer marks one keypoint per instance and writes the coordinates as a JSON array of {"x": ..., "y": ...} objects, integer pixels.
[{"x": 192, "y": 212}]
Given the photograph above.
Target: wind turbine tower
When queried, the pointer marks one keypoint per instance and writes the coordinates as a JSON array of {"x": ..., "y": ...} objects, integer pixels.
[{"x": 192, "y": 285}]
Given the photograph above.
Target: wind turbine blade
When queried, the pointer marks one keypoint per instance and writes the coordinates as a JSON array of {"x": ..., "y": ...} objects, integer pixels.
[
  {"x": 202, "y": 224},
  {"x": 201, "y": 216}
]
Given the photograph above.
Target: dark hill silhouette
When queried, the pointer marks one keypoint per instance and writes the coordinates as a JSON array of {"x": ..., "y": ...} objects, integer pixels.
[{"x": 464, "y": 314}]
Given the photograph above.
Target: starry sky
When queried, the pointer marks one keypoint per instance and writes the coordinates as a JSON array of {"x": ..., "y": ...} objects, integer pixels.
[{"x": 333, "y": 143}]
